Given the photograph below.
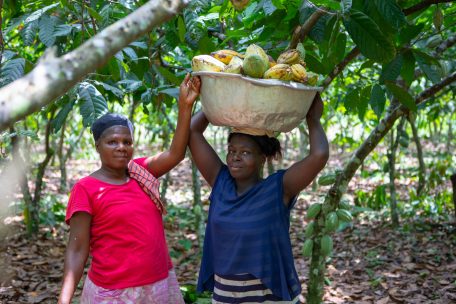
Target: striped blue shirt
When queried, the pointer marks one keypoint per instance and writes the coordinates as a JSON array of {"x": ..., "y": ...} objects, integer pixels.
[{"x": 249, "y": 234}]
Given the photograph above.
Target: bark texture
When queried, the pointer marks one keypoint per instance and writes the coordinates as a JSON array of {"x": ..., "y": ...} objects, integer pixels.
[{"x": 53, "y": 76}]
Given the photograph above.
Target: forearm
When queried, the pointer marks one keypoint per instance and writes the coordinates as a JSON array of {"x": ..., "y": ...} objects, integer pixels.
[
  {"x": 319, "y": 146},
  {"x": 181, "y": 135},
  {"x": 73, "y": 270},
  {"x": 199, "y": 123}
]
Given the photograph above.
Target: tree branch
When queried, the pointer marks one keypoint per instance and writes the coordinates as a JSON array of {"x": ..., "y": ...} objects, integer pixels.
[
  {"x": 52, "y": 76},
  {"x": 423, "y": 5},
  {"x": 341, "y": 66},
  {"x": 394, "y": 112},
  {"x": 445, "y": 45},
  {"x": 302, "y": 31}
]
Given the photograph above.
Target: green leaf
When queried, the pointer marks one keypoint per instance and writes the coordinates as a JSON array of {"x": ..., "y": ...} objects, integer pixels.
[
  {"x": 94, "y": 14},
  {"x": 173, "y": 92},
  {"x": 268, "y": 7},
  {"x": 407, "y": 33},
  {"x": 62, "y": 30},
  {"x": 314, "y": 65},
  {"x": 37, "y": 14},
  {"x": 364, "y": 97},
  {"x": 402, "y": 95},
  {"x": 391, "y": 12},
  {"x": 351, "y": 100},
  {"x": 368, "y": 37},
  {"x": 345, "y": 6},
  {"x": 170, "y": 77},
  {"x": 408, "y": 67},
  {"x": 377, "y": 100},
  {"x": 61, "y": 117},
  {"x": 430, "y": 66},
  {"x": 46, "y": 33},
  {"x": 12, "y": 70},
  {"x": 28, "y": 33},
  {"x": 92, "y": 105},
  {"x": 181, "y": 30},
  {"x": 391, "y": 70},
  {"x": 130, "y": 53}
]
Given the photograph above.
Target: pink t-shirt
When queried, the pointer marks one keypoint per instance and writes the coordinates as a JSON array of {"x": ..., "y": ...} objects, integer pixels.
[{"x": 127, "y": 238}]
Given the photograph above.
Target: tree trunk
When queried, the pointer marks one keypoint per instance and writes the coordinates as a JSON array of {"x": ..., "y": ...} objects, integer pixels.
[
  {"x": 419, "y": 152},
  {"x": 453, "y": 183},
  {"x": 62, "y": 165},
  {"x": 450, "y": 133},
  {"x": 394, "y": 143},
  {"x": 35, "y": 207},
  {"x": 197, "y": 204}
]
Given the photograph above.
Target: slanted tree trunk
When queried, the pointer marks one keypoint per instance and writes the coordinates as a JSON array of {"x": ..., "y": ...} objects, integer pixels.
[{"x": 332, "y": 199}]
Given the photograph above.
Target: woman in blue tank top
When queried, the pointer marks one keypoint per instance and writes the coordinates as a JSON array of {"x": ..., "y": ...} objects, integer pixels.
[{"x": 247, "y": 255}]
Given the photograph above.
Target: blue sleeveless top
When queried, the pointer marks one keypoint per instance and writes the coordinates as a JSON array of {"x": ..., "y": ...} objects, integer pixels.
[{"x": 249, "y": 233}]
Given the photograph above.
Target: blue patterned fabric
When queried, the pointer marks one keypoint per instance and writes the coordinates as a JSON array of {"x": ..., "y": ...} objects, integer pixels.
[{"x": 249, "y": 233}]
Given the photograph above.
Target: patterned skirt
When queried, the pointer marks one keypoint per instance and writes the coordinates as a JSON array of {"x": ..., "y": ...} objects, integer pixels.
[
  {"x": 243, "y": 288},
  {"x": 165, "y": 291}
]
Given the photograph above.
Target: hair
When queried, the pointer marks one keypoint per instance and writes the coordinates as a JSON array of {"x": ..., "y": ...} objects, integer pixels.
[{"x": 269, "y": 146}]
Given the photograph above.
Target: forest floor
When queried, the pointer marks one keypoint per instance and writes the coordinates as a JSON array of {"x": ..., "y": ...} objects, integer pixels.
[{"x": 371, "y": 262}]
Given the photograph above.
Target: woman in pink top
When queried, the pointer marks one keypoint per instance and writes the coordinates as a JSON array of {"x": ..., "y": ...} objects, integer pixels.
[{"x": 115, "y": 214}]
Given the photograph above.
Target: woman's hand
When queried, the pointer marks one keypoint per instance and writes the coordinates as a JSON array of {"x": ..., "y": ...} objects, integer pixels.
[
  {"x": 189, "y": 90},
  {"x": 316, "y": 109}
]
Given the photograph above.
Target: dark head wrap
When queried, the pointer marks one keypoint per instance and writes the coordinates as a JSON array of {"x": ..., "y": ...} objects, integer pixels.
[{"x": 108, "y": 120}]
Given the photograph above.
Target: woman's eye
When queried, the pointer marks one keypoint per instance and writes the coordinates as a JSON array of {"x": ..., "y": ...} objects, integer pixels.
[{"x": 245, "y": 152}]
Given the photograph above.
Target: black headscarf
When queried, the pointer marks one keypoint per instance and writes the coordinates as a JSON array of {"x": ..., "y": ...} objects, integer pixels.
[{"x": 108, "y": 120}]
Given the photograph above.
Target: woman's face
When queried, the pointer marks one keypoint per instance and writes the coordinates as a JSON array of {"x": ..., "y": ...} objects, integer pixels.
[
  {"x": 115, "y": 147},
  {"x": 244, "y": 158}
]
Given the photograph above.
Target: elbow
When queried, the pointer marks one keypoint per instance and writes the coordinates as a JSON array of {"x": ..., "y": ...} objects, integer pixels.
[{"x": 322, "y": 157}]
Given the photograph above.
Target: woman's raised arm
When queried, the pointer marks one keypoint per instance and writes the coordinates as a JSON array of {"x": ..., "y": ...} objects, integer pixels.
[
  {"x": 204, "y": 156},
  {"x": 303, "y": 172}
]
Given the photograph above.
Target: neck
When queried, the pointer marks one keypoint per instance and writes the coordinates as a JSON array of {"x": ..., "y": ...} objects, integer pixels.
[
  {"x": 243, "y": 185},
  {"x": 113, "y": 174}
]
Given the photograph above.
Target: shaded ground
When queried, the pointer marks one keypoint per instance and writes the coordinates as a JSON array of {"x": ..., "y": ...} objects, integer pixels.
[{"x": 372, "y": 263}]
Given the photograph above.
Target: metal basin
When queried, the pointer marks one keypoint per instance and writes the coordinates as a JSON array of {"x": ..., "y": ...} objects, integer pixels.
[{"x": 267, "y": 104}]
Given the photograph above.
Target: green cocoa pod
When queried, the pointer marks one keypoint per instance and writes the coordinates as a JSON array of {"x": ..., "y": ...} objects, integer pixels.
[
  {"x": 327, "y": 179},
  {"x": 344, "y": 205},
  {"x": 332, "y": 222},
  {"x": 307, "y": 248},
  {"x": 326, "y": 244},
  {"x": 326, "y": 208},
  {"x": 313, "y": 211},
  {"x": 310, "y": 229},
  {"x": 256, "y": 61},
  {"x": 344, "y": 215}
]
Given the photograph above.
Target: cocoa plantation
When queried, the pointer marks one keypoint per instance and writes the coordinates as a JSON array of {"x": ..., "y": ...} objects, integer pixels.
[{"x": 374, "y": 220}]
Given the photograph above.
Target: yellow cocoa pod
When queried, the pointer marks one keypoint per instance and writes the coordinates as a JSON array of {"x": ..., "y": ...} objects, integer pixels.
[
  {"x": 206, "y": 63},
  {"x": 299, "y": 73},
  {"x": 225, "y": 56},
  {"x": 256, "y": 61},
  {"x": 280, "y": 71},
  {"x": 289, "y": 57},
  {"x": 312, "y": 78},
  {"x": 235, "y": 66}
]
